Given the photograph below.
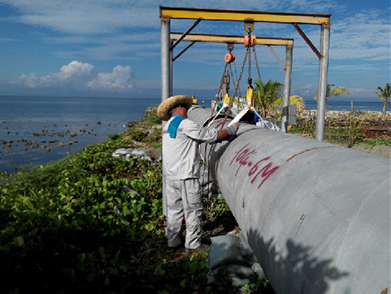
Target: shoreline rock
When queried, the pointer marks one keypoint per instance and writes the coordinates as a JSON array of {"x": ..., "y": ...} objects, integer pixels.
[{"x": 373, "y": 119}]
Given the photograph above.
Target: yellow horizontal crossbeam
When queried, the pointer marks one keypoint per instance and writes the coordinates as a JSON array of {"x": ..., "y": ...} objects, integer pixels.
[
  {"x": 231, "y": 39},
  {"x": 243, "y": 15}
]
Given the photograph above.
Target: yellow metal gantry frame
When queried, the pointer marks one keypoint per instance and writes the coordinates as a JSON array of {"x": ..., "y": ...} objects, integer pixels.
[
  {"x": 243, "y": 15},
  {"x": 231, "y": 39},
  {"x": 249, "y": 16}
]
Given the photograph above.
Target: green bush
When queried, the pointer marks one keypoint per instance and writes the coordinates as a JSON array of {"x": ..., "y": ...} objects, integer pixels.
[
  {"x": 114, "y": 136},
  {"x": 70, "y": 226},
  {"x": 380, "y": 140},
  {"x": 138, "y": 135}
]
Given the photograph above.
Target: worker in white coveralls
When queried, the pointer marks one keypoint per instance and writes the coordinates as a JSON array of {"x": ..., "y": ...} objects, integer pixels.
[{"x": 181, "y": 169}]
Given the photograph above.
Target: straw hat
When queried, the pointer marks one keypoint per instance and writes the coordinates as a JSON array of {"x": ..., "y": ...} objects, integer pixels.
[{"x": 163, "y": 111}]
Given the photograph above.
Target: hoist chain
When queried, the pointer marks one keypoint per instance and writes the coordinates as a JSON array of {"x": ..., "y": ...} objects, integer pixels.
[
  {"x": 241, "y": 72},
  {"x": 256, "y": 63},
  {"x": 228, "y": 78},
  {"x": 236, "y": 76},
  {"x": 228, "y": 112},
  {"x": 222, "y": 80},
  {"x": 233, "y": 77},
  {"x": 250, "y": 80},
  {"x": 259, "y": 73}
]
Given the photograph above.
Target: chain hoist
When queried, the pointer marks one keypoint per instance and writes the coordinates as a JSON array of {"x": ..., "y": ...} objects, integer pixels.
[
  {"x": 249, "y": 42},
  {"x": 225, "y": 78},
  {"x": 223, "y": 92}
]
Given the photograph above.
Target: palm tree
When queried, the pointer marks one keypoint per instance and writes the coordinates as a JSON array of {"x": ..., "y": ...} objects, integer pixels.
[
  {"x": 266, "y": 94},
  {"x": 332, "y": 90},
  {"x": 295, "y": 99},
  {"x": 384, "y": 95},
  {"x": 336, "y": 91}
]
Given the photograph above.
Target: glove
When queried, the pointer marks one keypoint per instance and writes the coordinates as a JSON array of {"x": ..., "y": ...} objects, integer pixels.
[{"x": 232, "y": 129}]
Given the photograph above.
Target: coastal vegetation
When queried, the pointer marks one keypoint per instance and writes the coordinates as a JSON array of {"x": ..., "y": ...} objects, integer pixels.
[
  {"x": 266, "y": 94},
  {"x": 293, "y": 100},
  {"x": 363, "y": 130},
  {"x": 343, "y": 128},
  {"x": 332, "y": 90},
  {"x": 385, "y": 95}
]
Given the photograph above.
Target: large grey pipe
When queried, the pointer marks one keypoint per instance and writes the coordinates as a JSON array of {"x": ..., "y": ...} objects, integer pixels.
[{"x": 317, "y": 216}]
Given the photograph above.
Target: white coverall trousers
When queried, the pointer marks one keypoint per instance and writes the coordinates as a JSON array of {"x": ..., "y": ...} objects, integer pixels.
[{"x": 184, "y": 198}]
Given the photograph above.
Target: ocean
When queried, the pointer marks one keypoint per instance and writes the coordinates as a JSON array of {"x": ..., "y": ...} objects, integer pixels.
[
  {"x": 36, "y": 130},
  {"x": 62, "y": 124}
]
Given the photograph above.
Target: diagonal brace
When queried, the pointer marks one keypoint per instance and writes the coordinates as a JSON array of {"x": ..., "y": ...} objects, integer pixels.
[
  {"x": 308, "y": 41},
  {"x": 186, "y": 33},
  {"x": 184, "y": 50},
  {"x": 277, "y": 58}
]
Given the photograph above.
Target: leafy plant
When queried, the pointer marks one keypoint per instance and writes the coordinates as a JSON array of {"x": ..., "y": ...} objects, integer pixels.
[
  {"x": 266, "y": 94},
  {"x": 215, "y": 207},
  {"x": 332, "y": 90},
  {"x": 138, "y": 135},
  {"x": 188, "y": 275},
  {"x": 381, "y": 140},
  {"x": 293, "y": 100},
  {"x": 384, "y": 94},
  {"x": 114, "y": 136},
  {"x": 71, "y": 226},
  {"x": 355, "y": 124}
]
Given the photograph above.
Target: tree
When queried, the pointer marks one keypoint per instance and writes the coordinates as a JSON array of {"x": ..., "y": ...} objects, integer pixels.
[
  {"x": 332, "y": 90},
  {"x": 384, "y": 95},
  {"x": 266, "y": 94},
  {"x": 293, "y": 100},
  {"x": 336, "y": 91}
]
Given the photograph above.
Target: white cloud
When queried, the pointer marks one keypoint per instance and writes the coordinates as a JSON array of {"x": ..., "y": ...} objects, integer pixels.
[
  {"x": 75, "y": 69},
  {"x": 74, "y": 74},
  {"x": 118, "y": 80},
  {"x": 80, "y": 76}
]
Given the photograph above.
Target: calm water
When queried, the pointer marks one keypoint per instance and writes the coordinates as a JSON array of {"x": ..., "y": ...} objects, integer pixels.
[
  {"x": 55, "y": 122},
  {"x": 36, "y": 124}
]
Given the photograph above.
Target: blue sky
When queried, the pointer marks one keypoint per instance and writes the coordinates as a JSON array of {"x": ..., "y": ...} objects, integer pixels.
[{"x": 112, "y": 48}]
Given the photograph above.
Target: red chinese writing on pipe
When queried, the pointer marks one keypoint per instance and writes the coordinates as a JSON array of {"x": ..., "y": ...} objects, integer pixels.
[{"x": 261, "y": 169}]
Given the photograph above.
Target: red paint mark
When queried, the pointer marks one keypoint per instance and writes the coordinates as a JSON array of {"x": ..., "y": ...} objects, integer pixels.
[
  {"x": 237, "y": 153},
  {"x": 262, "y": 169},
  {"x": 219, "y": 123},
  {"x": 242, "y": 158},
  {"x": 265, "y": 172}
]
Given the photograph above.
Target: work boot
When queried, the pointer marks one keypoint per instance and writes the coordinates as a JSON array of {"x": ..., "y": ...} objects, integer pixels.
[{"x": 201, "y": 248}]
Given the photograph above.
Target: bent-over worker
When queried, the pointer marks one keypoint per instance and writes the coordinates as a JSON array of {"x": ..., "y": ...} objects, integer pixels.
[{"x": 181, "y": 169}]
